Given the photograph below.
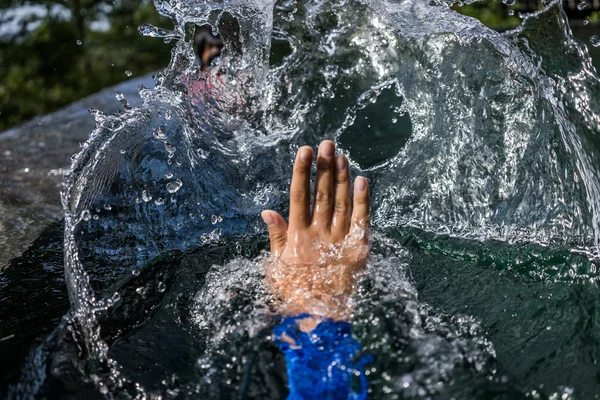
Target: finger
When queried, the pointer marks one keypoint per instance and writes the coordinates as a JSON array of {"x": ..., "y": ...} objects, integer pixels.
[
  {"x": 360, "y": 212},
  {"x": 323, "y": 206},
  {"x": 277, "y": 231},
  {"x": 300, "y": 189},
  {"x": 341, "y": 208}
]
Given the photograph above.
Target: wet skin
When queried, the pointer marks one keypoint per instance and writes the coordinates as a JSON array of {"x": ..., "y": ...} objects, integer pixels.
[{"x": 317, "y": 257}]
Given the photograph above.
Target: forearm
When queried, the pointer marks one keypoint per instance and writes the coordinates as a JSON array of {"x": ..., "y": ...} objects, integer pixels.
[{"x": 324, "y": 362}]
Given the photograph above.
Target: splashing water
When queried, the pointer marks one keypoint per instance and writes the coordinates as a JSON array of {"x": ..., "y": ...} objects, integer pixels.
[{"x": 484, "y": 159}]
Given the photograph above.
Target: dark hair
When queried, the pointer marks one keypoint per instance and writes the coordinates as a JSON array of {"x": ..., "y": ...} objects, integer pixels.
[{"x": 205, "y": 37}]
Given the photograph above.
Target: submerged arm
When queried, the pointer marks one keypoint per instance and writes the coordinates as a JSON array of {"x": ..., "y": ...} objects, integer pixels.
[{"x": 314, "y": 268}]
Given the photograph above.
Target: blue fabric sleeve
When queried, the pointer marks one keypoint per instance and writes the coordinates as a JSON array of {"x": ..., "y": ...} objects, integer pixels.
[{"x": 324, "y": 363}]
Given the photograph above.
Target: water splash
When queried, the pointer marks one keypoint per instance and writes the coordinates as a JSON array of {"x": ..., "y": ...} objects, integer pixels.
[{"x": 497, "y": 143}]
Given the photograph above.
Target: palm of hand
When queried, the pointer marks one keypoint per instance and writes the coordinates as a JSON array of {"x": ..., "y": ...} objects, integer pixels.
[{"x": 316, "y": 259}]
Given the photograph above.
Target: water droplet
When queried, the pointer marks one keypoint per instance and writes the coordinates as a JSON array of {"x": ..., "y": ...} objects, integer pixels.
[
  {"x": 582, "y": 5},
  {"x": 159, "y": 201},
  {"x": 79, "y": 43},
  {"x": 174, "y": 186},
  {"x": 595, "y": 41},
  {"x": 107, "y": 207},
  {"x": 168, "y": 115},
  {"x": 95, "y": 217},
  {"x": 511, "y": 12},
  {"x": 141, "y": 291},
  {"x": 509, "y": 3},
  {"x": 128, "y": 73},
  {"x": 135, "y": 272},
  {"x": 394, "y": 120},
  {"x": 145, "y": 196},
  {"x": 121, "y": 97},
  {"x": 585, "y": 22},
  {"x": 169, "y": 175},
  {"x": 86, "y": 215},
  {"x": 161, "y": 287},
  {"x": 153, "y": 31}
]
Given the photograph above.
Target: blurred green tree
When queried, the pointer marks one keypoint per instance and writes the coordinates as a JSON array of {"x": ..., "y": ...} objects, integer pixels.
[{"x": 45, "y": 68}]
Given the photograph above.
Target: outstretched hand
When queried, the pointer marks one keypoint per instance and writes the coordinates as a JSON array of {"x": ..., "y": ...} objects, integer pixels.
[{"x": 317, "y": 257}]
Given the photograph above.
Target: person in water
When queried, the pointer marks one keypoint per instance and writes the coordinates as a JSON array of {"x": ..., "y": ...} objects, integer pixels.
[
  {"x": 316, "y": 259},
  {"x": 208, "y": 46}
]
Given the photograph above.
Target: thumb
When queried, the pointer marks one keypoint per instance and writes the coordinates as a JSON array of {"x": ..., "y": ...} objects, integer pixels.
[{"x": 277, "y": 230}]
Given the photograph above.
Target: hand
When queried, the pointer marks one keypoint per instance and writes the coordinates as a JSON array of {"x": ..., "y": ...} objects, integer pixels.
[{"x": 317, "y": 258}]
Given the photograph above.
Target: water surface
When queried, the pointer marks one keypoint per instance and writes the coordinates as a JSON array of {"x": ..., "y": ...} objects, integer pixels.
[{"x": 482, "y": 152}]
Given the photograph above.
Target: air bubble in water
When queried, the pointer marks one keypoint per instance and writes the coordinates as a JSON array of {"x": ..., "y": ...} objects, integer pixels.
[
  {"x": 145, "y": 196},
  {"x": 160, "y": 133},
  {"x": 174, "y": 186},
  {"x": 128, "y": 73},
  {"x": 595, "y": 41},
  {"x": 79, "y": 43},
  {"x": 511, "y": 12},
  {"x": 581, "y": 5},
  {"x": 169, "y": 148}
]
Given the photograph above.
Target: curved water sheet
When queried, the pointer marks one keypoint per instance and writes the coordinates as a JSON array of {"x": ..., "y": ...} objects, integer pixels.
[{"x": 482, "y": 152}]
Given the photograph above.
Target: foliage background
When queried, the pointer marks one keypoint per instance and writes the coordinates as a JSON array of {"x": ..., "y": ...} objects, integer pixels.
[{"x": 45, "y": 68}]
